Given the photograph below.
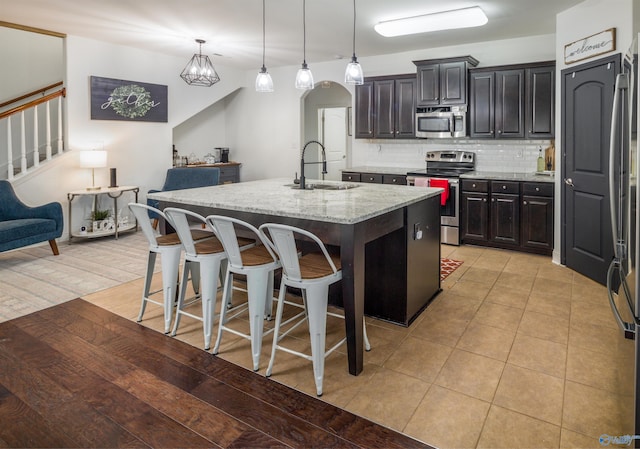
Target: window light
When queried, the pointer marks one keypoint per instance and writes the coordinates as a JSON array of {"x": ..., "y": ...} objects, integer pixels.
[{"x": 445, "y": 20}]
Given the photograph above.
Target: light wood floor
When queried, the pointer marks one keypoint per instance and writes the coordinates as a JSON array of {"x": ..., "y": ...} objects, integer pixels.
[{"x": 515, "y": 352}]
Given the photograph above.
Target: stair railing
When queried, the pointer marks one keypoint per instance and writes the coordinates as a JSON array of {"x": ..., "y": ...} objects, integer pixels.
[{"x": 18, "y": 112}]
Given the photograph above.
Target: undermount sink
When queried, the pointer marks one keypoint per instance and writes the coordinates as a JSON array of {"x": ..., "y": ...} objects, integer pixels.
[{"x": 324, "y": 186}]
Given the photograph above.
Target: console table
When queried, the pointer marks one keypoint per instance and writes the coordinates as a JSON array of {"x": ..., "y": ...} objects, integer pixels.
[{"x": 118, "y": 224}]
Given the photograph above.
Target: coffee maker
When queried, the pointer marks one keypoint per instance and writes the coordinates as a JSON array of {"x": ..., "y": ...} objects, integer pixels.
[{"x": 221, "y": 154}]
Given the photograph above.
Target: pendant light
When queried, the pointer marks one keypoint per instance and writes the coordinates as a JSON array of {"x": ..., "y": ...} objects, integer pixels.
[
  {"x": 304, "y": 77},
  {"x": 264, "y": 83},
  {"x": 199, "y": 71},
  {"x": 353, "y": 74}
]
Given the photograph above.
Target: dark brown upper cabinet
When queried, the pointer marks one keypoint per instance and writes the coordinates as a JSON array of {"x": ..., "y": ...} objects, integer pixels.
[
  {"x": 515, "y": 101},
  {"x": 386, "y": 107},
  {"x": 497, "y": 103},
  {"x": 364, "y": 111},
  {"x": 540, "y": 108},
  {"x": 443, "y": 82}
]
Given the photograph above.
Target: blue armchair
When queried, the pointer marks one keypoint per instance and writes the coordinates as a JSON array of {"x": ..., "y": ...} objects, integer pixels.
[
  {"x": 21, "y": 225},
  {"x": 185, "y": 178}
]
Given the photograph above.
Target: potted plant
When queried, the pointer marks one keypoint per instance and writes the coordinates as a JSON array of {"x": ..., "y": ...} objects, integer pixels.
[{"x": 98, "y": 218}]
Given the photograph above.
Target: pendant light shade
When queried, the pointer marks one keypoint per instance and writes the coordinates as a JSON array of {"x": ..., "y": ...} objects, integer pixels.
[
  {"x": 199, "y": 71},
  {"x": 264, "y": 83},
  {"x": 304, "y": 77},
  {"x": 353, "y": 74}
]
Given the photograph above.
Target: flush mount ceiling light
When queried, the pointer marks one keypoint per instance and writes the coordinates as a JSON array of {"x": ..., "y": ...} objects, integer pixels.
[
  {"x": 264, "y": 83},
  {"x": 199, "y": 71},
  {"x": 353, "y": 74},
  {"x": 304, "y": 77},
  {"x": 445, "y": 20}
]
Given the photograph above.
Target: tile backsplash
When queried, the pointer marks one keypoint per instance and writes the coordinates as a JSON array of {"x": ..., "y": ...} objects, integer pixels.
[{"x": 498, "y": 156}]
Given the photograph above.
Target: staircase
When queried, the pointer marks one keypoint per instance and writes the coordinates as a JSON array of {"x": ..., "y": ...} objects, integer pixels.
[{"x": 31, "y": 130}]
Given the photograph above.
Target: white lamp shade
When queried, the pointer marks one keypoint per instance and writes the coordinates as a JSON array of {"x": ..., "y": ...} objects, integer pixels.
[
  {"x": 264, "y": 83},
  {"x": 93, "y": 159},
  {"x": 304, "y": 78},
  {"x": 353, "y": 74}
]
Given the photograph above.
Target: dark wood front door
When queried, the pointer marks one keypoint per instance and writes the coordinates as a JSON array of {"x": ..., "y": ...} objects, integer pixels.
[{"x": 587, "y": 92}]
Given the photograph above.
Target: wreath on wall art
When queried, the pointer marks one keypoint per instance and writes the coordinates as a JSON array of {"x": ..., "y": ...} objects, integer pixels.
[{"x": 131, "y": 101}]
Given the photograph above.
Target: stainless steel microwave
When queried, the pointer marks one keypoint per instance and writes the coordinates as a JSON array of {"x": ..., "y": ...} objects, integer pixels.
[{"x": 442, "y": 123}]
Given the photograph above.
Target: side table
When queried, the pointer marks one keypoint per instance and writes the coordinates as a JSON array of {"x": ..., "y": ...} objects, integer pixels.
[{"x": 113, "y": 193}]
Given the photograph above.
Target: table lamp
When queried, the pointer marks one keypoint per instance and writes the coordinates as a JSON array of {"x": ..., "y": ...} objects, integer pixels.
[{"x": 93, "y": 159}]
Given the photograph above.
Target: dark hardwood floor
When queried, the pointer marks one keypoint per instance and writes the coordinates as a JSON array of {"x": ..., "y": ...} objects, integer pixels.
[{"x": 76, "y": 375}]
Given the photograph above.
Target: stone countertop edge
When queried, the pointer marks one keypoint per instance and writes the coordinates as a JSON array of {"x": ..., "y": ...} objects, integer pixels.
[
  {"x": 400, "y": 171},
  {"x": 508, "y": 176},
  {"x": 276, "y": 197}
]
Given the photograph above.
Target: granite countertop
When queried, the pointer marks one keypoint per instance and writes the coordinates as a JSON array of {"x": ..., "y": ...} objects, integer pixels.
[
  {"x": 383, "y": 170},
  {"x": 509, "y": 176},
  {"x": 276, "y": 197}
]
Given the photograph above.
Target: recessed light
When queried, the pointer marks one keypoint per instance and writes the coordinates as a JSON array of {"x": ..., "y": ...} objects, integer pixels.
[{"x": 445, "y": 20}]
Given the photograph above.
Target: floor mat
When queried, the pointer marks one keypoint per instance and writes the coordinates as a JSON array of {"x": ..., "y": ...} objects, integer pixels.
[{"x": 448, "y": 266}]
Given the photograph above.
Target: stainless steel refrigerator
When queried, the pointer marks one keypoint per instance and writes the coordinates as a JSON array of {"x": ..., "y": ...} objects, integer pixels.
[{"x": 622, "y": 276}]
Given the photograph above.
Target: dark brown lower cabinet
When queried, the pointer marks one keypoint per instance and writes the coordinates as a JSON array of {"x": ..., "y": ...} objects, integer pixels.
[
  {"x": 537, "y": 217},
  {"x": 510, "y": 215},
  {"x": 505, "y": 213},
  {"x": 475, "y": 218}
]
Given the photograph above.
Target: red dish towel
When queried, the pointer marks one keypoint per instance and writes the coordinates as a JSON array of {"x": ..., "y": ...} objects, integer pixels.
[{"x": 443, "y": 183}]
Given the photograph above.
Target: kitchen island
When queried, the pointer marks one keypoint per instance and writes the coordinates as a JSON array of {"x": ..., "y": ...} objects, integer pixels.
[{"x": 388, "y": 236}]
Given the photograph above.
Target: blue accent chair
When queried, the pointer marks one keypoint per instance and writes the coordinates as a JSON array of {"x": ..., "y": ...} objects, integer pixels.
[
  {"x": 22, "y": 225},
  {"x": 185, "y": 178}
]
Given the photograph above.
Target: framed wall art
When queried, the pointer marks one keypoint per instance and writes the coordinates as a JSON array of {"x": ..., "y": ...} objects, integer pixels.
[
  {"x": 590, "y": 46},
  {"x": 114, "y": 99}
]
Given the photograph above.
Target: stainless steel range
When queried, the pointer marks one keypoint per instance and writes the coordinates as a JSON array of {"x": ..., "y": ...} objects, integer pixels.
[{"x": 443, "y": 169}]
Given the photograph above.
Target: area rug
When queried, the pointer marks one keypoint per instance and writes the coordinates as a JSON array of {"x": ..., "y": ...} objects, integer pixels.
[{"x": 448, "y": 266}]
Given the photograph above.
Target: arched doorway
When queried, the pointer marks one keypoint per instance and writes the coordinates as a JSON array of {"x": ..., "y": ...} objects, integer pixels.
[{"x": 326, "y": 118}]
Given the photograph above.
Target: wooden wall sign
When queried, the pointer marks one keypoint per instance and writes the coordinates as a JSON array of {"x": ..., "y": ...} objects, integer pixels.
[
  {"x": 113, "y": 99},
  {"x": 590, "y": 46}
]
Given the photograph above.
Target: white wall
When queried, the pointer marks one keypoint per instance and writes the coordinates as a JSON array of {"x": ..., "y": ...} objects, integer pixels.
[
  {"x": 203, "y": 132},
  {"x": 141, "y": 151},
  {"x": 17, "y": 48}
]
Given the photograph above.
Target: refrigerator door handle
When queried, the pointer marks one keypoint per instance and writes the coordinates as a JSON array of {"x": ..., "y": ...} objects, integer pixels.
[
  {"x": 622, "y": 83},
  {"x": 629, "y": 329}
]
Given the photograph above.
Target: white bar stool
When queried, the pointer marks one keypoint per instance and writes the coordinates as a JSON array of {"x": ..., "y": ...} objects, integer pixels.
[
  {"x": 258, "y": 265},
  {"x": 170, "y": 248},
  {"x": 312, "y": 273},
  {"x": 208, "y": 255}
]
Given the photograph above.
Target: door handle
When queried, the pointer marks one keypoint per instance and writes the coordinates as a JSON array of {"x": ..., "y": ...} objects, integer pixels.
[{"x": 569, "y": 182}]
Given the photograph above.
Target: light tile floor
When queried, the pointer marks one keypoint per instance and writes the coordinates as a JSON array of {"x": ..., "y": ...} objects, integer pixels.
[{"x": 514, "y": 352}]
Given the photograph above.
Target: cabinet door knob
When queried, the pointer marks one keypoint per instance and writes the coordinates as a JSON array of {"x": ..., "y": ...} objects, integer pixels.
[
  {"x": 484, "y": 200},
  {"x": 504, "y": 187},
  {"x": 499, "y": 131},
  {"x": 493, "y": 200},
  {"x": 474, "y": 185},
  {"x": 537, "y": 189},
  {"x": 524, "y": 202}
]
